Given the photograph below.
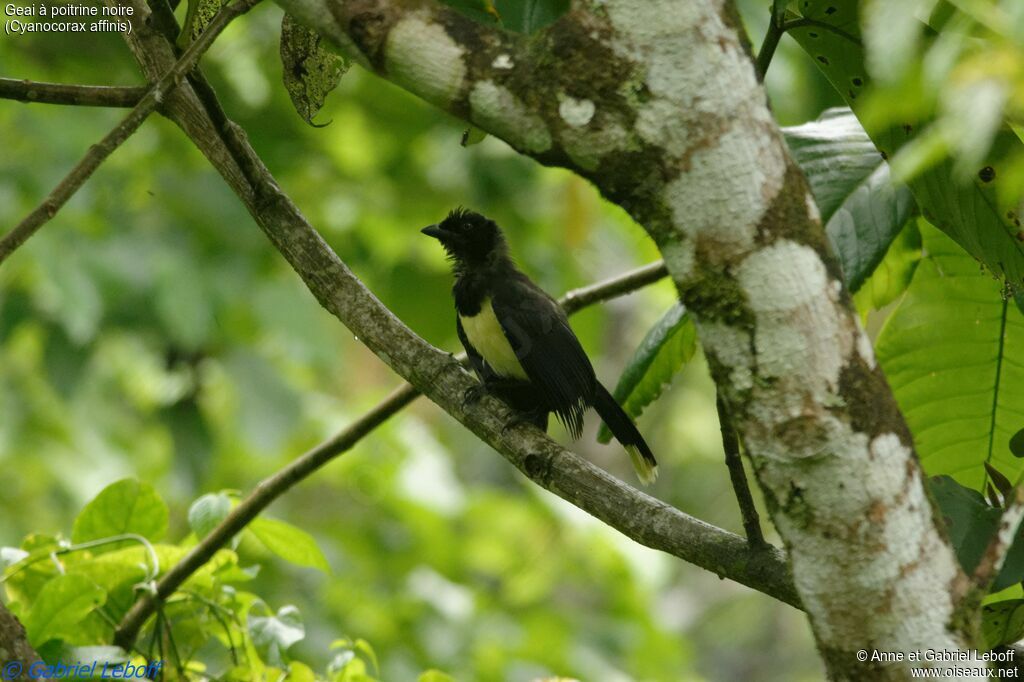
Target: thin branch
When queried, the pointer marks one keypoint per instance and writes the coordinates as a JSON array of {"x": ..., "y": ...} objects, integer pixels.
[
  {"x": 602, "y": 291},
  {"x": 995, "y": 553},
  {"x": 771, "y": 38},
  {"x": 77, "y": 95},
  {"x": 731, "y": 444},
  {"x": 99, "y": 152},
  {"x": 279, "y": 483}
]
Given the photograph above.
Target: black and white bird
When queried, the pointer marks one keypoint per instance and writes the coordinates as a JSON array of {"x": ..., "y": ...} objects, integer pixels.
[{"x": 519, "y": 339}]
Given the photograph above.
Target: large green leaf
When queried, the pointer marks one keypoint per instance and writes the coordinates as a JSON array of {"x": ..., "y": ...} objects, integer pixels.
[
  {"x": 62, "y": 603},
  {"x": 863, "y": 210},
  {"x": 954, "y": 354},
  {"x": 975, "y": 214},
  {"x": 668, "y": 346},
  {"x": 290, "y": 543},
  {"x": 127, "y": 506},
  {"x": 971, "y": 523},
  {"x": 892, "y": 276},
  {"x": 1002, "y": 622}
]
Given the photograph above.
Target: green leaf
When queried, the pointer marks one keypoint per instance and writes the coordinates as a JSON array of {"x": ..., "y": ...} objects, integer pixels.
[
  {"x": 976, "y": 214},
  {"x": 668, "y": 346},
  {"x": 63, "y": 602},
  {"x": 893, "y": 275},
  {"x": 127, "y": 506},
  {"x": 207, "y": 512},
  {"x": 273, "y": 635},
  {"x": 1017, "y": 444},
  {"x": 472, "y": 135},
  {"x": 1002, "y": 622},
  {"x": 527, "y": 16},
  {"x": 970, "y": 521},
  {"x": 863, "y": 210},
  {"x": 290, "y": 543},
  {"x": 953, "y": 352},
  {"x": 310, "y": 70}
]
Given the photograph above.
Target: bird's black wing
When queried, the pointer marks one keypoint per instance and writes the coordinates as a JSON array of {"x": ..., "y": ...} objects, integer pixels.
[{"x": 547, "y": 348}]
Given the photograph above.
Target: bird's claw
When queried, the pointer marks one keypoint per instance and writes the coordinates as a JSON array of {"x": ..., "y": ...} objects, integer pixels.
[{"x": 472, "y": 395}]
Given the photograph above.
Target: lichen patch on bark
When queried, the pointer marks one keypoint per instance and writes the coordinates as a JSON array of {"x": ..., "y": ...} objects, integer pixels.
[{"x": 420, "y": 56}]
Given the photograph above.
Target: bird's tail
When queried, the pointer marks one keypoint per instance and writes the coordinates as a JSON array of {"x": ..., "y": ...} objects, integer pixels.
[{"x": 625, "y": 431}]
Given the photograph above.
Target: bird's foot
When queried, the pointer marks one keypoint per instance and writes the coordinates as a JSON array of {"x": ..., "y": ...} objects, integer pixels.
[{"x": 472, "y": 395}]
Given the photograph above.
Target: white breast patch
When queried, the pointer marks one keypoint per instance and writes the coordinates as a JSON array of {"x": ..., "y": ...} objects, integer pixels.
[{"x": 486, "y": 335}]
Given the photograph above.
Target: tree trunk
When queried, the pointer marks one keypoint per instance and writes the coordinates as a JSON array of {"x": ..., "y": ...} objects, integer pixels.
[{"x": 656, "y": 102}]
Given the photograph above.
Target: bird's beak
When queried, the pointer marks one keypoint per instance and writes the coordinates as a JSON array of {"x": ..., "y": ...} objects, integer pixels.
[{"x": 434, "y": 231}]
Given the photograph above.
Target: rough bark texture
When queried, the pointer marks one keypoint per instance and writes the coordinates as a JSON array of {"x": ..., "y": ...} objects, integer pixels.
[
  {"x": 14, "y": 646},
  {"x": 656, "y": 101}
]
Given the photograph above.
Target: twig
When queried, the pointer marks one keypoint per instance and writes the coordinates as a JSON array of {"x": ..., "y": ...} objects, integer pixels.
[
  {"x": 731, "y": 444},
  {"x": 995, "y": 553},
  {"x": 277, "y": 484},
  {"x": 78, "y": 95},
  {"x": 602, "y": 291},
  {"x": 99, "y": 152},
  {"x": 771, "y": 38}
]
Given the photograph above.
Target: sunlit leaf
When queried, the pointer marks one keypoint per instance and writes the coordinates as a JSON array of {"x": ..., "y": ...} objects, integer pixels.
[
  {"x": 127, "y": 506},
  {"x": 290, "y": 543},
  {"x": 668, "y": 346},
  {"x": 978, "y": 213},
  {"x": 62, "y": 603},
  {"x": 893, "y": 275},
  {"x": 952, "y": 353},
  {"x": 1002, "y": 622}
]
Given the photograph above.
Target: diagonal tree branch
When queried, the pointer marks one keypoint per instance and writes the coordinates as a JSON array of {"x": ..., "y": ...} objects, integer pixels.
[
  {"x": 441, "y": 377},
  {"x": 658, "y": 103},
  {"x": 78, "y": 95},
  {"x": 710, "y": 179},
  {"x": 276, "y": 485},
  {"x": 99, "y": 152}
]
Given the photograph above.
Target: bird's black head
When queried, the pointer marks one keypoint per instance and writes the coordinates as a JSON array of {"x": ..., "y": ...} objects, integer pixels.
[{"x": 469, "y": 238}]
